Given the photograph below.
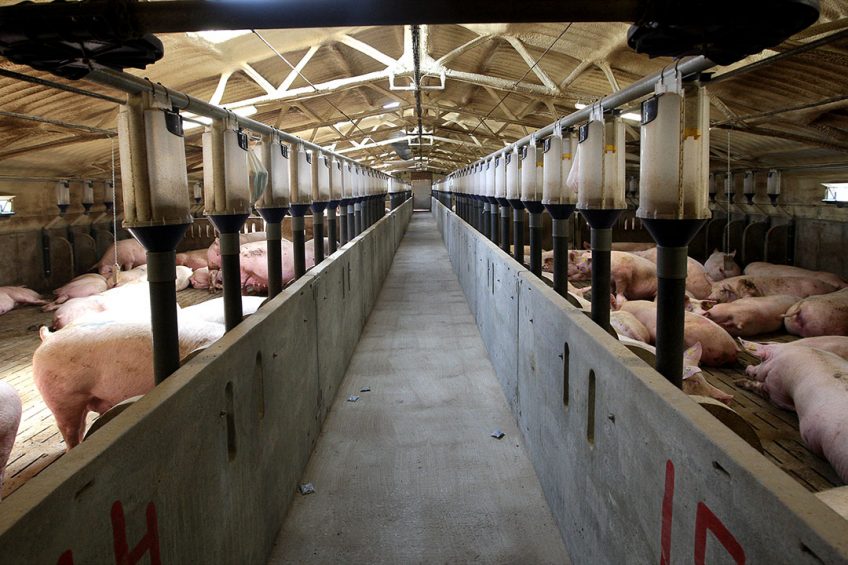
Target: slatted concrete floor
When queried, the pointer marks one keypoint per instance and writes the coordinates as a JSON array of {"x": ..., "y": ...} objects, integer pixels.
[
  {"x": 38, "y": 443},
  {"x": 409, "y": 473}
]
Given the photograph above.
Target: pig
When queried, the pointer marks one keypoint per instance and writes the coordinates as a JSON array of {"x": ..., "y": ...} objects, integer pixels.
[
  {"x": 633, "y": 277},
  {"x": 122, "y": 303},
  {"x": 629, "y": 246},
  {"x": 752, "y": 315},
  {"x": 734, "y": 288},
  {"x": 194, "y": 259},
  {"x": 130, "y": 254},
  {"x": 573, "y": 257},
  {"x": 720, "y": 266},
  {"x": 10, "y": 419},
  {"x": 213, "y": 310},
  {"x": 183, "y": 275},
  {"x": 626, "y": 324},
  {"x": 13, "y": 296},
  {"x": 254, "y": 264},
  {"x": 694, "y": 382},
  {"x": 718, "y": 346},
  {"x": 83, "y": 367},
  {"x": 819, "y": 315},
  {"x": 697, "y": 306},
  {"x": 80, "y": 287},
  {"x": 813, "y": 383},
  {"x": 771, "y": 270},
  {"x": 213, "y": 254},
  {"x": 834, "y": 343},
  {"x": 132, "y": 276},
  {"x": 698, "y": 283},
  {"x": 201, "y": 278}
]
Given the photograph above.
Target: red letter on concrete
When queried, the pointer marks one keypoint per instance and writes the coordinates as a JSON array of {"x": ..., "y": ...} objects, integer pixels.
[
  {"x": 668, "y": 498},
  {"x": 150, "y": 541},
  {"x": 706, "y": 520},
  {"x": 66, "y": 558}
]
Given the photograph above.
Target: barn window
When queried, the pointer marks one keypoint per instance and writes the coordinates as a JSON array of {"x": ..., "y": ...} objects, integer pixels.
[{"x": 6, "y": 206}]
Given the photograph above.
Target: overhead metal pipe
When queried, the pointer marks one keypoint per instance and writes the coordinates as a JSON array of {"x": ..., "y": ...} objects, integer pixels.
[{"x": 198, "y": 15}]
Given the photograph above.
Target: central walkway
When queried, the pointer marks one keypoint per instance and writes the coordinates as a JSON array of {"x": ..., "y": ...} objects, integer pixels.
[{"x": 409, "y": 472}]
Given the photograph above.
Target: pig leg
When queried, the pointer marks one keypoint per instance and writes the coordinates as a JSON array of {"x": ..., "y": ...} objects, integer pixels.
[
  {"x": 70, "y": 413},
  {"x": 756, "y": 387},
  {"x": 697, "y": 384}
]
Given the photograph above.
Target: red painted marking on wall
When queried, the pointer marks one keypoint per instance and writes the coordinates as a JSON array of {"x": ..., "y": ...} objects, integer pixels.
[
  {"x": 668, "y": 498},
  {"x": 66, "y": 558},
  {"x": 706, "y": 520},
  {"x": 150, "y": 541}
]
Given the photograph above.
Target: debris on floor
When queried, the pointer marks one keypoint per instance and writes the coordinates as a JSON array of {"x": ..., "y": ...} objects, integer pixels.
[
  {"x": 365, "y": 389},
  {"x": 352, "y": 398},
  {"x": 307, "y": 488},
  {"x": 497, "y": 434}
]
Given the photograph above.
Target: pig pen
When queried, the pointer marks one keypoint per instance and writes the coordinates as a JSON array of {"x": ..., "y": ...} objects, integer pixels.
[
  {"x": 38, "y": 442},
  {"x": 621, "y": 453}
]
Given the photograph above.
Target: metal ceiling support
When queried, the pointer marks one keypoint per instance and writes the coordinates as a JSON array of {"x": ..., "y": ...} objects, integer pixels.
[
  {"x": 58, "y": 86},
  {"x": 132, "y": 85},
  {"x": 59, "y": 123},
  {"x": 197, "y": 15},
  {"x": 642, "y": 87},
  {"x": 780, "y": 56}
]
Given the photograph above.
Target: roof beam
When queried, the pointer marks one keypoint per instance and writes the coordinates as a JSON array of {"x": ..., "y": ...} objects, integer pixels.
[
  {"x": 366, "y": 49},
  {"x": 534, "y": 65},
  {"x": 298, "y": 68},
  {"x": 258, "y": 78},
  {"x": 222, "y": 86},
  {"x": 451, "y": 55}
]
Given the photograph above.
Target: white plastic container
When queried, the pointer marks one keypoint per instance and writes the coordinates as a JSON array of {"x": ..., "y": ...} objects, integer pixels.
[
  {"x": 557, "y": 160},
  {"x": 773, "y": 183},
  {"x": 748, "y": 184},
  {"x": 513, "y": 175},
  {"x": 500, "y": 175},
  {"x": 63, "y": 193},
  {"x": 336, "y": 179},
  {"x": 321, "y": 176},
  {"x": 275, "y": 157},
  {"x": 301, "y": 188},
  {"x": 530, "y": 189},
  {"x": 226, "y": 175},
  {"x": 674, "y": 174},
  {"x": 601, "y": 170}
]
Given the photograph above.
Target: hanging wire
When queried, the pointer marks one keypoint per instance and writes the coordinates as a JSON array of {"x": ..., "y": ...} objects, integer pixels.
[
  {"x": 728, "y": 184},
  {"x": 315, "y": 88},
  {"x": 527, "y": 72},
  {"x": 114, "y": 207}
]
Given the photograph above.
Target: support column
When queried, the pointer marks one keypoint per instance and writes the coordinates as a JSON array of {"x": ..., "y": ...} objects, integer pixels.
[
  {"x": 273, "y": 228},
  {"x": 601, "y": 222},
  {"x": 298, "y": 211},
  {"x": 357, "y": 217},
  {"x": 332, "y": 226},
  {"x": 351, "y": 220},
  {"x": 518, "y": 232},
  {"x": 505, "y": 229},
  {"x": 343, "y": 232},
  {"x": 318, "y": 231}
]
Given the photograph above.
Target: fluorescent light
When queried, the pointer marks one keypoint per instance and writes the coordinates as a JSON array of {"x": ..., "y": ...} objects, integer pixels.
[
  {"x": 218, "y": 36},
  {"x": 632, "y": 116},
  {"x": 391, "y": 105},
  {"x": 244, "y": 112}
]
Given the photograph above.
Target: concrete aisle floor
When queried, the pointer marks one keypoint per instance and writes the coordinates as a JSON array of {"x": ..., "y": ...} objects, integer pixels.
[{"x": 409, "y": 473}]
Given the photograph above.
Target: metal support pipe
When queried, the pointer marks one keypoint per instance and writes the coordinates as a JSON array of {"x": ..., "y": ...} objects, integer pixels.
[
  {"x": 273, "y": 228},
  {"x": 601, "y": 278},
  {"x": 560, "y": 248},
  {"x": 161, "y": 276},
  {"x": 332, "y": 228},
  {"x": 231, "y": 275},
  {"x": 493, "y": 219},
  {"x": 671, "y": 310},
  {"x": 536, "y": 243},
  {"x": 518, "y": 234},
  {"x": 343, "y": 222},
  {"x": 357, "y": 218},
  {"x": 486, "y": 220},
  {"x": 351, "y": 221},
  {"x": 298, "y": 241},
  {"x": 318, "y": 231},
  {"x": 274, "y": 234},
  {"x": 505, "y": 229}
]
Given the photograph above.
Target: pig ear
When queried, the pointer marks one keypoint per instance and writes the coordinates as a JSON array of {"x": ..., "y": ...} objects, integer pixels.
[
  {"x": 692, "y": 356},
  {"x": 44, "y": 332},
  {"x": 733, "y": 254},
  {"x": 586, "y": 245}
]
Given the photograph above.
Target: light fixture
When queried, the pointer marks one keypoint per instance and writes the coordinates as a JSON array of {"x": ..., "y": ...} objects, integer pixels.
[
  {"x": 87, "y": 195},
  {"x": 632, "y": 116},
  {"x": 6, "y": 206},
  {"x": 836, "y": 193},
  {"x": 391, "y": 105},
  {"x": 218, "y": 36},
  {"x": 197, "y": 121}
]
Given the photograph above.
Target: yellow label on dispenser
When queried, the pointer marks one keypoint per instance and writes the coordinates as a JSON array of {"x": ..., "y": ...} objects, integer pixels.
[
  {"x": 692, "y": 132},
  {"x": 609, "y": 148},
  {"x": 566, "y": 156},
  {"x": 540, "y": 163}
]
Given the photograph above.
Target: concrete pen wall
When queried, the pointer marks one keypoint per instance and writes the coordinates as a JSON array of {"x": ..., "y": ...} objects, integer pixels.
[
  {"x": 203, "y": 468},
  {"x": 633, "y": 470}
]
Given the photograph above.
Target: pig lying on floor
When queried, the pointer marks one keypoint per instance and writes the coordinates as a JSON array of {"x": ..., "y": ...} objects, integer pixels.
[{"x": 813, "y": 383}]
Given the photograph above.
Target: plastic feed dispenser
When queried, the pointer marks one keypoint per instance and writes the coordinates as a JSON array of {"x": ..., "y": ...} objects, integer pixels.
[
  {"x": 600, "y": 176},
  {"x": 675, "y": 123}
]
